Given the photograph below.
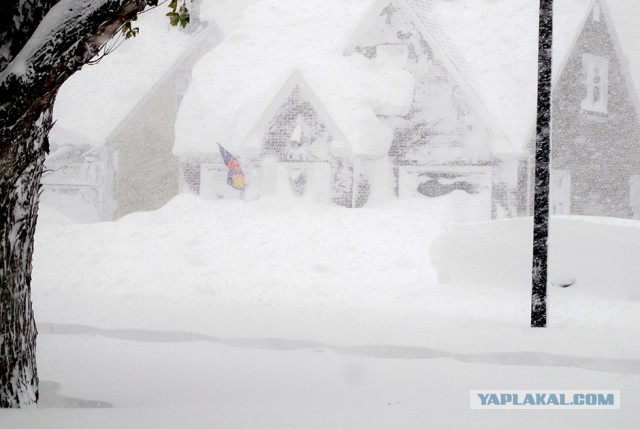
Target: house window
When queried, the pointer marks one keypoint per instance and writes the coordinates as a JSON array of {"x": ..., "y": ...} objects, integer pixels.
[{"x": 596, "y": 79}]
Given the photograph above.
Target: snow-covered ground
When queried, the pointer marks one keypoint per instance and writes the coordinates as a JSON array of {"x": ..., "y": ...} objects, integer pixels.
[{"x": 286, "y": 313}]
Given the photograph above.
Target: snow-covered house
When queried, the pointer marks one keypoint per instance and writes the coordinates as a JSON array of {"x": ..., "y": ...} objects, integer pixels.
[
  {"x": 595, "y": 125},
  {"x": 444, "y": 140},
  {"x": 432, "y": 98},
  {"x": 294, "y": 147},
  {"x": 301, "y": 148},
  {"x": 596, "y": 132},
  {"x": 595, "y": 57},
  {"x": 114, "y": 132},
  {"x": 289, "y": 105},
  {"x": 396, "y": 116}
]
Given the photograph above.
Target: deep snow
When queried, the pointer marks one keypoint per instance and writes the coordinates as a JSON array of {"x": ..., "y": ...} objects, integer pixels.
[{"x": 286, "y": 313}]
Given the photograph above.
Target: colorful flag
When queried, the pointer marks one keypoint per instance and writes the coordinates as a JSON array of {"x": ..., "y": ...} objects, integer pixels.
[{"x": 235, "y": 176}]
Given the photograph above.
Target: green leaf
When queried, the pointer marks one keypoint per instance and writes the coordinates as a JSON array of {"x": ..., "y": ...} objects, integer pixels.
[
  {"x": 129, "y": 31},
  {"x": 179, "y": 15},
  {"x": 174, "y": 18},
  {"x": 184, "y": 15}
]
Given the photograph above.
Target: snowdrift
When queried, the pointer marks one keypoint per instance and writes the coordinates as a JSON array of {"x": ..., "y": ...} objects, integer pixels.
[{"x": 598, "y": 255}]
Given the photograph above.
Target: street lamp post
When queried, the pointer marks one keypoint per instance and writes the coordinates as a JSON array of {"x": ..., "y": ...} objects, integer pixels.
[{"x": 542, "y": 158}]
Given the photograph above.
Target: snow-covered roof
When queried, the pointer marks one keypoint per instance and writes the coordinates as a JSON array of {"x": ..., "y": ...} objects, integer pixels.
[
  {"x": 499, "y": 142},
  {"x": 96, "y": 99},
  {"x": 228, "y": 14},
  {"x": 494, "y": 45},
  {"x": 234, "y": 84}
]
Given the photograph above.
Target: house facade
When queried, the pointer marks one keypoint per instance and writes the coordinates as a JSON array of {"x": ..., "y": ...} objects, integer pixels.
[
  {"x": 595, "y": 162},
  {"x": 443, "y": 141},
  {"x": 303, "y": 151},
  {"x": 124, "y": 163},
  {"x": 295, "y": 148},
  {"x": 443, "y": 138}
]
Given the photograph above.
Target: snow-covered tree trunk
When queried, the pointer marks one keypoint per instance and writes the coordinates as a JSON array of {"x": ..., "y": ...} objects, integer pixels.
[
  {"x": 21, "y": 166},
  {"x": 42, "y": 43},
  {"x": 543, "y": 151}
]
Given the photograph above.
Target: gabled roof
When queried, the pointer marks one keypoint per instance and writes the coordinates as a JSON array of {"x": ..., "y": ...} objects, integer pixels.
[
  {"x": 500, "y": 142},
  {"x": 254, "y": 139},
  {"x": 496, "y": 44},
  {"x": 563, "y": 53},
  {"x": 234, "y": 83},
  {"x": 490, "y": 46},
  {"x": 625, "y": 63},
  {"x": 97, "y": 100}
]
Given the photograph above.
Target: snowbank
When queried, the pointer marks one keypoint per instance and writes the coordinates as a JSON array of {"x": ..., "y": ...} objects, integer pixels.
[
  {"x": 268, "y": 262},
  {"x": 599, "y": 256},
  {"x": 285, "y": 313},
  {"x": 295, "y": 269}
]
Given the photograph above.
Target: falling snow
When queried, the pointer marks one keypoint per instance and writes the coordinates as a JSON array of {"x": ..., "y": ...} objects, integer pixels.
[{"x": 377, "y": 264}]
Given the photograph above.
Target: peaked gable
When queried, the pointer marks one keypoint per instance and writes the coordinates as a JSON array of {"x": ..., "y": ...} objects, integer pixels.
[
  {"x": 392, "y": 31},
  {"x": 296, "y": 125},
  {"x": 598, "y": 36},
  {"x": 595, "y": 128}
]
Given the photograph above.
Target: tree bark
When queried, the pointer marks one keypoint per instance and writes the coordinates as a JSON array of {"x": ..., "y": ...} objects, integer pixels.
[
  {"x": 32, "y": 69},
  {"x": 21, "y": 166}
]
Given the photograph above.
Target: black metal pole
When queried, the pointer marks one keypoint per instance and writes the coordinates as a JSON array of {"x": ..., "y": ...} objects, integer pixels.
[{"x": 543, "y": 150}]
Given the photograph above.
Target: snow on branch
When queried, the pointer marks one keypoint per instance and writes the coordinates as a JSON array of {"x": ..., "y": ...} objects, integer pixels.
[
  {"x": 56, "y": 23},
  {"x": 68, "y": 36}
]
